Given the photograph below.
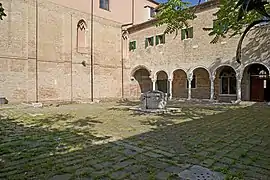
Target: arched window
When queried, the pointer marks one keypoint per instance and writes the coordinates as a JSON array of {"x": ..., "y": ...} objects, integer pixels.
[
  {"x": 81, "y": 36},
  {"x": 228, "y": 81}
]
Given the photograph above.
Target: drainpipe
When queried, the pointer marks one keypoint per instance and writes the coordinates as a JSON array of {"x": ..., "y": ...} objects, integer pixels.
[
  {"x": 71, "y": 56},
  {"x": 122, "y": 50},
  {"x": 122, "y": 57},
  {"x": 133, "y": 10},
  {"x": 37, "y": 51},
  {"x": 91, "y": 52}
]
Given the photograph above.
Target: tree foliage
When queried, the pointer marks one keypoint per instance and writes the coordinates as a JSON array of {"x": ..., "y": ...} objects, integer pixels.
[
  {"x": 232, "y": 17},
  {"x": 2, "y": 12}
]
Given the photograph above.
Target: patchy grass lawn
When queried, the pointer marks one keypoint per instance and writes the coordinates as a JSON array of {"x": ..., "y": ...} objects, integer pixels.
[{"x": 109, "y": 141}]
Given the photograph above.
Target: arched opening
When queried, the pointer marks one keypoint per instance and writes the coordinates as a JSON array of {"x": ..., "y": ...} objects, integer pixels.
[
  {"x": 142, "y": 83},
  {"x": 200, "y": 86},
  {"x": 255, "y": 83},
  {"x": 225, "y": 84},
  {"x": 162, "y": 81},
  {"x": 81, "y": 36},
  {"x": 179, "y": 83}
]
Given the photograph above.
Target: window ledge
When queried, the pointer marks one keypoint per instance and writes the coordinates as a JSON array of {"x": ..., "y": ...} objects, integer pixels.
[
  {"x": 160, "y": 45},
  {"x": 187, "y": 39},
  {"x": 227, "y": 94},
  {"x": 148, "y": 47},
  {"x": 108, "y": 10}
]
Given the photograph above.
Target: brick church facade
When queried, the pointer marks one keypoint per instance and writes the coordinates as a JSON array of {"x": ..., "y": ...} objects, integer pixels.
[{"x": 93, "y": 50}]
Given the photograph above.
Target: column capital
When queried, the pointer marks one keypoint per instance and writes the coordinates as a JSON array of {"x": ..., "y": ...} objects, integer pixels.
[
  {"x": 239, "y": 76},
  {"x": 212, "y": 77},
  {"x": 190, "y": 77},
  {"x": 154, "y": 80}
]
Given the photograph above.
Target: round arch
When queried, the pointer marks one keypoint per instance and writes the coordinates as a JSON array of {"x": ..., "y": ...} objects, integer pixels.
[
  {"x": 162, "y": 81},
  {"x": 200, "y": 84},
  {"x": 200, "y": 67},
  {"x": 179, "y": 84},
  {"x": 255, "y": 84},
  {"x": 225, "y": 83},
  {"x": 141, "y": 81},
  {"x": 222, "y": 66},
  {"x": 138, "y": 68},
  {"x": 178, "y": 69},
  {"x": 162, "y": 70},
  {"x": 253, "y": 63}
]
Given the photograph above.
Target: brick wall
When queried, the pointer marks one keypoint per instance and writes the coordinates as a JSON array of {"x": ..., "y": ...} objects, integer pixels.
[{"x": 61, "y": 75}]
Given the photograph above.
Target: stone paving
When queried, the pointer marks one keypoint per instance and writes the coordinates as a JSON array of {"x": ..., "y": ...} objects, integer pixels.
[{"x": 108, "y": 141}]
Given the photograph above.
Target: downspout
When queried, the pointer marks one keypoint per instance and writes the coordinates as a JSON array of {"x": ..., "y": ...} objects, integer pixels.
[
  {"x": 122, "y": 57},
  {"x": 133, "y": 11},
  {"x": 71, "y": 57},
  {"x": 91, "y": 52},
  {"x": 37, "y": 51},
  {"x": 122, "y": 50}
]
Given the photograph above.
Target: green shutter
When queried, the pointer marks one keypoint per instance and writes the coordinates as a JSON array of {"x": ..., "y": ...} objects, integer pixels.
[
  {"x": 191, "y": 32},
  {"x": 130, "y": 46},
  {"x": 146, "y": 43},
  {"x": 157, "y": 40},
  {"x": 183, "y": 34},
  {"x": 135, "y": 46},
  {"x": 152, "y": 41},
  {"x": 163, "y": 37}
]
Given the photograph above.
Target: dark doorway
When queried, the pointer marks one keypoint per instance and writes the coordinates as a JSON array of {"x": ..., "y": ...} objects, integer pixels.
[
  {"x": 259, "y": 83},
  {"x": 162, "y": 81},
  {"x": 257, "y": 89}
]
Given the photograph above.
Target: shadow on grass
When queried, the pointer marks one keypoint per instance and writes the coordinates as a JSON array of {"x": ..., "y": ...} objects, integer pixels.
[{"x": 234, "y": 141}]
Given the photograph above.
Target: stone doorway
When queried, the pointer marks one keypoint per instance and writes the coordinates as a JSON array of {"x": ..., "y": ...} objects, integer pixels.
[{"x": 256, "y": 83}]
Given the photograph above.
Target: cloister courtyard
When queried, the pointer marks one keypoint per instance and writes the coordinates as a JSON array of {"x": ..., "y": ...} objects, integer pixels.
[{"x": 110, "y": 141}]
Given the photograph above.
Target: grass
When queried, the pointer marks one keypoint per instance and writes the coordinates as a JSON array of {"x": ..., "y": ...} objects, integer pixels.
[{"x": 42, "y": 143}]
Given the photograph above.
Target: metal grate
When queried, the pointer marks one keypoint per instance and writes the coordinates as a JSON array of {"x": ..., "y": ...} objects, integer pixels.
[{"x": 203, "y": 176}]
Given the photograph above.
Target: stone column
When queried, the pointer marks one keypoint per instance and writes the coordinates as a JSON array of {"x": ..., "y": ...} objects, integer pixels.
[
  {"x": 238, "y": 86},
  {"x": 212, "y": 87},
  {"x": 190, "y": 77},
  {"x": 154, "y": 84},
  {"x": 170, "y": 88}
]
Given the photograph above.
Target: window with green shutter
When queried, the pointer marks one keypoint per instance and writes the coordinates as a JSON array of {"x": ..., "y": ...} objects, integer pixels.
[
  {"x": 149, "y": 41},
  {"x": 132, "y": 45},
  {"x": 160, "y": 39},
  {"x": 187, "y": 33}
]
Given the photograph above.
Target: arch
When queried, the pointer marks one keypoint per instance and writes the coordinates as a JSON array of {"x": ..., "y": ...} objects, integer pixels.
[
  {"x": 138, "y": 68},
  {"x": 179, "y": 89},
  {"x": 142, "y": 82},
  {"x": 81, "y": 24},
  {"x": 81, "y": 36},
  {"x": 255, "y": 84},
  {"x": 162, "y": 81},
  {"x": 201, "y": 84},
  {"x": 225, "y": 83},
  {"x": 201, "y": 67},
  {"x": 222, "y": 66},
  {"x": 179, "y": 69},
  {"x": 252, "y": 63},
  {"x": 156, "y": 73},
  {"x": 161, "y": 75}
]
